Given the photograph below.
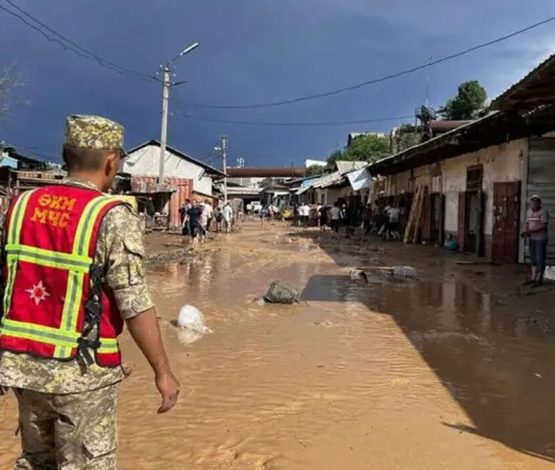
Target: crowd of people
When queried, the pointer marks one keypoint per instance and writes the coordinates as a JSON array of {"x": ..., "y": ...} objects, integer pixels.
[
  {"x": 200, "y": 218},
  {"x": 384, "y": 221}
]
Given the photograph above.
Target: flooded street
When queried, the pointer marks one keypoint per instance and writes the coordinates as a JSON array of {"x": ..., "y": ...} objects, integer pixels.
[{"x": 451, "y": 370}]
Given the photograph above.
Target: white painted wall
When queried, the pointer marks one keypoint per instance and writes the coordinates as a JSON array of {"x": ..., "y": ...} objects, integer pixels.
[
  {"x": 146, "y": 162},
  {"x": 501, "y": 163}
]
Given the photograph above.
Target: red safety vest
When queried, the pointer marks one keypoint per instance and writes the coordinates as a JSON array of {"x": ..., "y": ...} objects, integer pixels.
[{"x": 50, "y": 246}]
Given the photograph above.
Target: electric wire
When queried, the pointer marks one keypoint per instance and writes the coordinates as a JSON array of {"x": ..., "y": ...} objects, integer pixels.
[
  {"x": 382, "y": 79},
  {"x": 291, "y": 124},
  {"x": 68, "y": 44}
]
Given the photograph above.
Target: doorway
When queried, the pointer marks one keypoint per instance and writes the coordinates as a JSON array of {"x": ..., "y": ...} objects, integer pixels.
[
  {"x": 506, "y": 210},
  {"x": 471, "y": 227},
  {"x": 437, "y": 217},
  {"x": 471, "y": 213},
  {"x": 434, "y": 219}
]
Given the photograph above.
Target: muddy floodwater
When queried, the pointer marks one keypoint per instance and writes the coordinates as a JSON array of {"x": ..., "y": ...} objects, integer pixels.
[{"x": 454, "y": 369}]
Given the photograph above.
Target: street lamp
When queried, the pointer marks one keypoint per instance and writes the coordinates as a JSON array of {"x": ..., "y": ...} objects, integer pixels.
[{"x": 167, "y": 83}]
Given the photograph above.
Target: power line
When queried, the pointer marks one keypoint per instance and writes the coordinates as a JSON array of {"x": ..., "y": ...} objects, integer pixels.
[
  {"x": 292, "y": 124},
  {"x": 68, "y": 44},
  {"x": 375, "y": 81}
]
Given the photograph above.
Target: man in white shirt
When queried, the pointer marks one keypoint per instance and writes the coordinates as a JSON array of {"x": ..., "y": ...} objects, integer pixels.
[
  {"x": 207, "y": 215},
  {"x": 393, "y": 226},
  {"x": 304, "y": 213},
  {"x": 335, "y": 217},
  {"x": 228, "y": 217}
]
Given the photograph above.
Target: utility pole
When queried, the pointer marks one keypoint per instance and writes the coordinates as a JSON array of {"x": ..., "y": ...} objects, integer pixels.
[
  {"x": 224, "y": 157},
  {"x": 164, "y": 132},
  {"x": 166, "y": 84}
]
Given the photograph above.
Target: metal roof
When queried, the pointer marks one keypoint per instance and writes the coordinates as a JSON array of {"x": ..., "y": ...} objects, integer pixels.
[
  {"x": 535, "y": 89},
  {"x": 27, "y": 161},
  {"x": 347, "y": 166},
  {"x": 493, "y": 129},
  {"x": 209, "y": 169}
]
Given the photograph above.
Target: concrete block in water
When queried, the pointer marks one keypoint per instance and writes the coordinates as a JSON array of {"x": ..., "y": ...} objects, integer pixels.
[{"x": 280, "y": 293}]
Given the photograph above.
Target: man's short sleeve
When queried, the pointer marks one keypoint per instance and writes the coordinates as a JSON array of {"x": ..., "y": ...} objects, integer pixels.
[{"x": 120, "y": 248}]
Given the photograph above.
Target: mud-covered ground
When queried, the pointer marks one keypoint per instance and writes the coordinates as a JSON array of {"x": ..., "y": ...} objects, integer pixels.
[{"x": 450, "y": 370}]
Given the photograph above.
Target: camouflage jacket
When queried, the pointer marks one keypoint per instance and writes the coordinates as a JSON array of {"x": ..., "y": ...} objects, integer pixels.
[{"x": 120, "y": 248}]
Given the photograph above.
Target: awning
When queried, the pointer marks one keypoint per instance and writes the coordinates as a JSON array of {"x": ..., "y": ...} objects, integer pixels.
[{"x": 360, "y": 179}]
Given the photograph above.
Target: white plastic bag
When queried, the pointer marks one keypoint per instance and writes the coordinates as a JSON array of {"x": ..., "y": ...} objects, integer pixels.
[{"x": 192, "y": 318}]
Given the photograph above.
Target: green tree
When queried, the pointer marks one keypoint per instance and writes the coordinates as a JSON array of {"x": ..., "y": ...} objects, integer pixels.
[
  {"x": 315, "y": 170},
  {"x": 368, "y": 148},
  {"x": 468, "y": 103},
  {"x": 364, "y": 148},
  {"x": 406, "y": 136}
]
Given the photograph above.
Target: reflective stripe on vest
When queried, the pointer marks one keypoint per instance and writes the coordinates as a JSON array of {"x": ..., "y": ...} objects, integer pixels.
[{"x": 77, "y": 264}]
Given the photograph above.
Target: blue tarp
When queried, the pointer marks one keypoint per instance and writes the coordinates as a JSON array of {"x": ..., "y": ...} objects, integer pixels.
[{"x": 7, "y": 161}]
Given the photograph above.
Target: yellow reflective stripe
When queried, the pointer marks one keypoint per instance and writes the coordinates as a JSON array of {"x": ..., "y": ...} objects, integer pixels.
[
  {"x": 47, "y": 258},
  {"x": 54, "y": 335},
  {"x": 69, "y": 257},
  {"x": 11, "y": 265},
  {"x": 72, "y": 304},
  {"x": 86, "y": 224},
  {"x": 16, "y": 220},
  {"x": 108, "y": 346}
]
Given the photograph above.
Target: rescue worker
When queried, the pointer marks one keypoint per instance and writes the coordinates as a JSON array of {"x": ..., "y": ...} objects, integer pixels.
[{"x": 73, "y": 274}]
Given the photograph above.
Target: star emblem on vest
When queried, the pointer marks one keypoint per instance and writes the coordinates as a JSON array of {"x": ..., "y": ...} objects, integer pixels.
[{"x": 38, "y": 293}]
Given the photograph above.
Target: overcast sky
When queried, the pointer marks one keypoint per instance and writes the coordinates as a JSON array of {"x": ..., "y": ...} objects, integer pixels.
[{"x": 258, "y": 51}]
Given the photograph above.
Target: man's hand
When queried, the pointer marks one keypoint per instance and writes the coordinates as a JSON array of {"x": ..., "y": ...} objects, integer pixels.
[
  {"x": 525, "y": 234},
  {"x": 168, "y": 386},
  {"x": 145, "y": 330}
]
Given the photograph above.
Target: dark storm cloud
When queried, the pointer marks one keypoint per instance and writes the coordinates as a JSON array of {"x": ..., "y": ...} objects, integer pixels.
[{"x": 258, "y": 51}]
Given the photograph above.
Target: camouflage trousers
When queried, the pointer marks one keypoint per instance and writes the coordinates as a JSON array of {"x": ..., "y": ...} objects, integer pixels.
[{"x": 67, "y": 432}]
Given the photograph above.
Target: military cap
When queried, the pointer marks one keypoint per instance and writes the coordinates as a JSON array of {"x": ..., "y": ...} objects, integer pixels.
[{"x": 93, "y": 132}]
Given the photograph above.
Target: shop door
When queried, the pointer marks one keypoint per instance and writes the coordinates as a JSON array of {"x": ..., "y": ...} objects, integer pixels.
[{"x": 506, "y": 209}]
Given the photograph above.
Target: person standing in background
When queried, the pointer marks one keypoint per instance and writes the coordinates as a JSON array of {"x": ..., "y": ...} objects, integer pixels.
[
  {"x": 335, "y": 217},
  {"x": 185, "y": 225},
  {"x": 196, "y": 230},
  {"x": 536, "y": 231},
  {"x": 219, "y": 219},
  {"x": 228, "y": 217},
  {"x": 207, "y": 215}
]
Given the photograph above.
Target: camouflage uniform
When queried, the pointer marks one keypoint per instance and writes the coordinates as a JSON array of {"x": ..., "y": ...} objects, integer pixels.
[{"x": 67, "y": 414}]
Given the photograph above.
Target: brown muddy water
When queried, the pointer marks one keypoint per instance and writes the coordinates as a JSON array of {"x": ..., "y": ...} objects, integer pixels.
[{"x": 437, "y": 372}]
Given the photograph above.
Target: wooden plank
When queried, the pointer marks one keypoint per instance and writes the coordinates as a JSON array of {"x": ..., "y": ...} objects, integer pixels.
[
  {"x": 408, "y": 228},
  {"x": 419, "y": 219}
]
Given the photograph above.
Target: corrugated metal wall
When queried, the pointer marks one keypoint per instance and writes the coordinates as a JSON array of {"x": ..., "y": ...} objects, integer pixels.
[
  {"x": 541, "y": 181},
  {"x": 183, "y": 190}
]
